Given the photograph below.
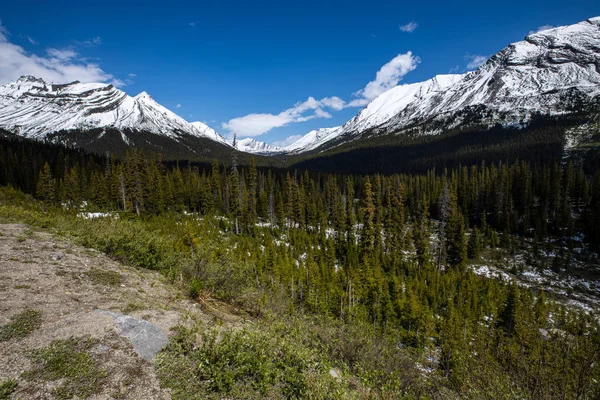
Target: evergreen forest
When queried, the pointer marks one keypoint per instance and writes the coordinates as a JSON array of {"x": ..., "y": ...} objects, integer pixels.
[{"x": 377, "y": 276}]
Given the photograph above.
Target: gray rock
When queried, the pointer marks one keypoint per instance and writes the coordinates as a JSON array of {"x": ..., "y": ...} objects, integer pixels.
[
  {"x": 57, "y": 256},
  {"x": 147, "y": 339},
  {"x": 334, "y": 373},
  {"x": 100, "y": 349}
]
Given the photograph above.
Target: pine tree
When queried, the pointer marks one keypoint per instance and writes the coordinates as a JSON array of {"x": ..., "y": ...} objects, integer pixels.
[
  {"x": 368, "y": 209},
  {"x": 474, "y": 244},
  {"x": 46, "y": 185},
  {"x": 396, "y": 219},
  {"x": 445, "y": 210},
  {"x": 456, "y": 244},
  {"x": 507, "y": 318},
  {"x": 252, "y": 191}
]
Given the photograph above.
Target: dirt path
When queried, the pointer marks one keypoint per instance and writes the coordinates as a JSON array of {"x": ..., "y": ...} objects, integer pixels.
[{"x": 66, "y": 289}]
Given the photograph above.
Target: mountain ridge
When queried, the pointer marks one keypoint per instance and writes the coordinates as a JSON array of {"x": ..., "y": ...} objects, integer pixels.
[
  {"x": 552, "y": 72},
  {"x": 34, "y": 108}
]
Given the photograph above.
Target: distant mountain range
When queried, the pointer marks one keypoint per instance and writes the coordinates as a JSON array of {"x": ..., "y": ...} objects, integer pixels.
[{"x": 555, "y": 72}]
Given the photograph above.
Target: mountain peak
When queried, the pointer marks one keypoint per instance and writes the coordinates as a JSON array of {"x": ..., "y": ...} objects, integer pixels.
[
  {"x": 251, "y": 145},
  {"x": 143, "y": 95},
  {"x": 32, "y": 108},
  {"x": 594, "y": 20},
  {"x": 30, "y": 78}
]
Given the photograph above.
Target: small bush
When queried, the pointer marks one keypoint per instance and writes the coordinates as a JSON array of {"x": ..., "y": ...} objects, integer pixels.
[
  {"x": 70, "y": 362},
  {"x": 6, "y": 388},
  {"x": 195, "y": 288},
  {"x": 245, "y": 363},
  {"x": 21, "y": 325},
  {"x": 104, "y": 277}
]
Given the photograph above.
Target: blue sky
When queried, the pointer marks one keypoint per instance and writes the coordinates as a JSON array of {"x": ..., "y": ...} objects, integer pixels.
[{"x": 266, "y": 69}]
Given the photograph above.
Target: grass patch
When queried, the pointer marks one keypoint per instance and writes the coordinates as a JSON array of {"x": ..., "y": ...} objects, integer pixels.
[
  {"x": 21, "y": 325},
  {"x": 103, "y": 277},
  {"x": 69, "y": 361},
  {"x": 22, "y": 287},
  {"x": 133, "y": 306},
  {"x": 244, "y": 363},
  {"x": 6, "y": 388}
]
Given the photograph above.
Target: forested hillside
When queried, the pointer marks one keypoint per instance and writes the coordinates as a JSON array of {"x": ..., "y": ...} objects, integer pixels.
[
  {"x": 382, "y": 262},
  {"x": 542, "y": 141}
]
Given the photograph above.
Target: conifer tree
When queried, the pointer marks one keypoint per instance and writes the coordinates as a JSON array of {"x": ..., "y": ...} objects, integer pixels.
[
  {"x": 368, "y": 231},
  {"x": 456, "y": 244},
  {"x": 46, "y": 185}
]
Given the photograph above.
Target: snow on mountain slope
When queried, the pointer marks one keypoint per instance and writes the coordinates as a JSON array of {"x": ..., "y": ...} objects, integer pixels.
[
  {"x": 395, "y": 100},
  {"x": 250, "y": 145},
  {"x": 33, "y": 108},
  {"x": 546, "y": 73},
  {"x": 551, "y": 72},
  {"x": 313, "y": 139},
  {"x": 205, "y": 130},
  {"x": 310, "y": 141}
]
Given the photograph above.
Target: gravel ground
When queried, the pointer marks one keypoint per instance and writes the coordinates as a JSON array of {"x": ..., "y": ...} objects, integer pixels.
[{"x": 82, "y": 293}]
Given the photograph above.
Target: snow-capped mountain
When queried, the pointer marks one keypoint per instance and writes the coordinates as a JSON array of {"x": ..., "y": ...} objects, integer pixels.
[
  {"x": 547, "y": 73},
  {"x": 250, "y": 145},
  {"x": 208, "y": 132},
  {"x": 389, "y": 104},
  {"x": 33, "y": 108},
  {"x": 552, "y": 72},
  {"x": 308, "y": 142},
  {"x": 313, "y": 139}
]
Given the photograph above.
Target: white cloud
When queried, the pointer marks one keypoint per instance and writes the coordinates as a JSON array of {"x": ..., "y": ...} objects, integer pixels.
[
  {"x": 287, "y": 141},
  {"x": 541, "y": 28},
  {"x": 193, "y": 23},
  {"x": 359, "y": 102},
  {"x": 62, "y": 55},
  {"x": 256, "y": 124},
  {"x": 410, "y": 27},
  {"x": 454, "y": 69},
  {"x": 475, "y": 60},
  {"x": 31, "y": 40},
  {"x": 131, "y": 75},
  {"x": 96, "y": 41},
  {"x": 321, "y": 113},
  {"x": 58, "y": 65},
  {"x": 178, "y": 106},
  {"x": 387, "y": 77},
  {"x": 334, "y": 103}
]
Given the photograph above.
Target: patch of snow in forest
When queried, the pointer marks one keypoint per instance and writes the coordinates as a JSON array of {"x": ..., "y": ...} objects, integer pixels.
[{"x": 91, "y": 215}]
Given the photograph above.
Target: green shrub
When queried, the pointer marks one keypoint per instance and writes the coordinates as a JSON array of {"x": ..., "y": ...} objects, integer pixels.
[
  {"x": 103, "y": 277},
  {"x": 195, "y": 288},
  {"x": 243, "y": 363},
  {"x": 21, "y": 325},
  {"x": 6, "y": 388},
  {"x": 69, "y": 362}
]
